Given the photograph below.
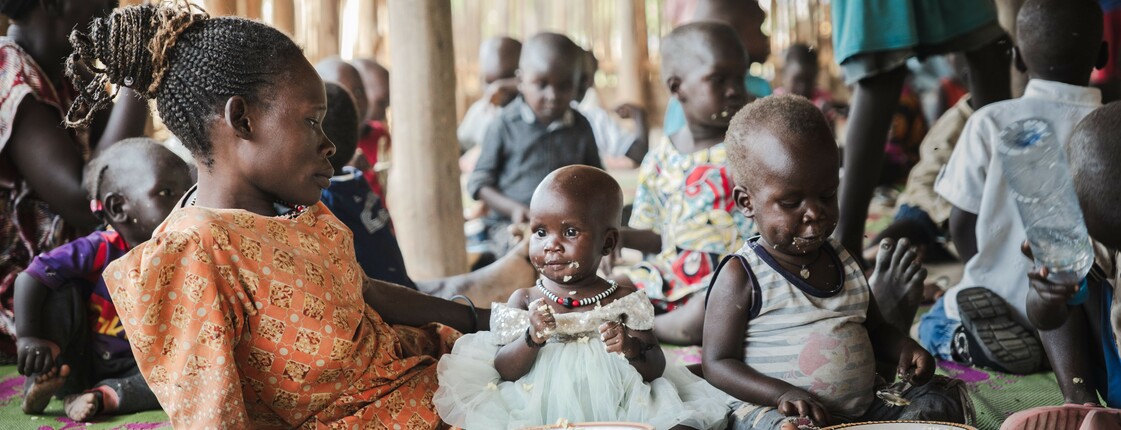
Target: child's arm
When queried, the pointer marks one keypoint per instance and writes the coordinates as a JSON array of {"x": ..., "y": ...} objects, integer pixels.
[
  {"x": 483, "y": 182},
  {"x": 639, "y": 347},
  {"x": 641, "y": 143},
  {"x": 726, "y": 321},
  {"x": 516, "y": 358},
  {"x": 963, "y": 231},
  {"x": 34, "y": 353},
  {"x": 891, "y": 345},
  {"x": 514, "y": 209},
  {"x": 643, "y": 240},
  {"x": 1070, "y": 349},
  {"x": 1047, "y": 301}
]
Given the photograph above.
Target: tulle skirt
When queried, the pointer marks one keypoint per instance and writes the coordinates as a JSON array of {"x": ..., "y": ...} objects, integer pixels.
[{"x": 577, "y": 381}]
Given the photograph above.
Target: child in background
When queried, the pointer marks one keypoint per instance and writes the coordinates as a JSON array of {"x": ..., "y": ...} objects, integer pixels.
[
  {"x": 799, "y": 77},
  {"x": 618, "y": 147},
  {"x": 71, "y": 342},
  {"x": 334, "y": 69},
  {"x": 1080, "y": 324},
  {"x": 498, "y": 65},
  {"x": 536, "y": 134},
  {"x": 374, "y": 142},
  {"x": 575, "y": 346},
  {"x": 791, "y": 326},
  {"x": 982, "y": 320},
  {"x": 352, "y": 201},
  {"x": 683, "y": 209}
]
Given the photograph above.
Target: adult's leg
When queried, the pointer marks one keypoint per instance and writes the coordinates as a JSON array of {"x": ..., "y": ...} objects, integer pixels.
[
  {"x": 989, "y": 79},
  {"x": 875, "y": 99}
]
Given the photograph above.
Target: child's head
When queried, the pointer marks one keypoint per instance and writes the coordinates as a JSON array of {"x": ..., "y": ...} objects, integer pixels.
[
  {"x": 498, "y": 58},
  {"x": 574, "y": 221},
  {"x": 799, "y": 70},
  {"x": 334, "y": 69},
  {"x": 588, "y": 67},
  {"x": 1095, "y": 162},
  {"x": 549, "y": 71},
  {"x": 68, "y": 14},
  {"x": 341, "y": 124},
  {"x": 1060, "y": 40},
  {"x": 134, "y": 184},
  {"x": 703, "y": 65},
  {"x": 239, "y": 94},
  {"x": 375, "y": 79},
  {"x": 784, "y": 162},
  {"x": 745, "y": 17}
]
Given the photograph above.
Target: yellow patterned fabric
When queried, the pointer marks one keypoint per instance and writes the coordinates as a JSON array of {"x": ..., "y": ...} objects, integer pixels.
[{"x": 239, "y": 320}]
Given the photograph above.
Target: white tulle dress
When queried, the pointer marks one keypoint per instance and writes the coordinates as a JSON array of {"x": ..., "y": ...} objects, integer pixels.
[{"x": 574, "y": 377}]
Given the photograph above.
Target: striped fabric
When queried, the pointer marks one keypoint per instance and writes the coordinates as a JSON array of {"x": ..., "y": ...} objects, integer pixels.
[{"x": 812, "y": 339}]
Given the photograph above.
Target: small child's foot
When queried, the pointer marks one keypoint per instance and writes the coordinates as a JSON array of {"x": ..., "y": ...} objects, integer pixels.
[
  {"x": 897, "y": 281},
  {"x": 44, "y": 387},
  {"x": 82, "y": 407}
]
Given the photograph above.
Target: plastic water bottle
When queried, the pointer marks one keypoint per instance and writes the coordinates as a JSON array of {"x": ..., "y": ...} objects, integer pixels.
[{"x": 1036, "y": 169}]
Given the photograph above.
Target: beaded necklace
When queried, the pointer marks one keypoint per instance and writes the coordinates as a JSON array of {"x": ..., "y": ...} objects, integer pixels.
[
  {"x": 569, "y": 303},
  {"x": 285, "y": 210}
]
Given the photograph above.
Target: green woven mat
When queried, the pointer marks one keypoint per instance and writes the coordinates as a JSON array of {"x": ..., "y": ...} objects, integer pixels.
[{"x": 11, "y": 417}]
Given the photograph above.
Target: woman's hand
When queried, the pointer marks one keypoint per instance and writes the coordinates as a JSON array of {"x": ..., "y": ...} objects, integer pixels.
[
  {"x": 799, "y": 402},
  {"x": 541, "y": 321}
]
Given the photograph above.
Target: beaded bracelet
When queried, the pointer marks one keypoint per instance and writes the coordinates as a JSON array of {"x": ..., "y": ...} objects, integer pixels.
[{"x": 529, "y": 340}]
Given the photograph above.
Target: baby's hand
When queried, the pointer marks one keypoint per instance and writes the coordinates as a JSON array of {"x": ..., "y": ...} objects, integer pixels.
[
  {"x": 541, "y": 320},
  {"x": 615, "y": 338},
  {"x": 35, "y": 355},
  {"x": 915, "y": 362},
  {"x": 800, "y": 403}
]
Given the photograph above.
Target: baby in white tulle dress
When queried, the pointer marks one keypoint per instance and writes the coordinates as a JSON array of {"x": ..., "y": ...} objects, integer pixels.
[{"x": 575, "y": 346}]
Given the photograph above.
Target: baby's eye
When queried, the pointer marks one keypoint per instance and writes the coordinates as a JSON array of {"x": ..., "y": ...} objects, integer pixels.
[
  {"x": 539, "y": 232},
  {"x": 570, "y": 232}
]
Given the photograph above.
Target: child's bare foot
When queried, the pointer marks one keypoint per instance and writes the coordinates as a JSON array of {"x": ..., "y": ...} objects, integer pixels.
[
  {"x": 82, "y": 407},
  {"x": 41, "y": 391},
  {"x": 897, "y": 282}
]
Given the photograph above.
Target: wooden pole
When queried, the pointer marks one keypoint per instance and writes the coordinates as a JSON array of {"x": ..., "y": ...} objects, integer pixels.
[
  {"x": 3, "y": 25},
  {"x": 249, "y": 8},
  {"x": 424, "y": 195},
  {"x": 317, "y": 28},
  {"x": 632, "y": 79},
  {"x": 367, "y": 44},
  {"x": 283, "y": 17},
  {"x": 220, "y": 7}
]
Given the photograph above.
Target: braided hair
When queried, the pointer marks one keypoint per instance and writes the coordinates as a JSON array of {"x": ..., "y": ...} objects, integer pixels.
[{"x": 173, "y": 52}]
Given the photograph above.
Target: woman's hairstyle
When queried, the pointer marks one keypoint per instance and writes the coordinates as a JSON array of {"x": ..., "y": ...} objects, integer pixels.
[{"x": 189, "y": 63}]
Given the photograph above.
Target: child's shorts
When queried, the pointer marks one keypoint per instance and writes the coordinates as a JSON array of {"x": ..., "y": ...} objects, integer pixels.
[{"x": 876, "y": 36}]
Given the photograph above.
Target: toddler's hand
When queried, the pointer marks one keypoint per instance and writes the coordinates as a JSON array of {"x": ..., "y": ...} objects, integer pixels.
[
  {"x": 35, "y": 355},
  {"x": 1051, "y": 293},
  {"x": 541, "y": 320},
  {"x": 615, "y": 338},
  {"x": 916, "y": 362},
  {"x": 801, "y": 403}
]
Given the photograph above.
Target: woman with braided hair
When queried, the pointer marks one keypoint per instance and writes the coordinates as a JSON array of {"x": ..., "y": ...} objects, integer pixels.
[
  {"x": 42, "y": 203},
  {"x": 247, "y": 308}
]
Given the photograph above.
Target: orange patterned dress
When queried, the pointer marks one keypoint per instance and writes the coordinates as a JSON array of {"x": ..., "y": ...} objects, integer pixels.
[{"x": 239, "y": 320}]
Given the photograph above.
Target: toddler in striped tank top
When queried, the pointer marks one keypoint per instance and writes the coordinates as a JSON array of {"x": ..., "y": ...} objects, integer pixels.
[{"x": 791, "y": 327}]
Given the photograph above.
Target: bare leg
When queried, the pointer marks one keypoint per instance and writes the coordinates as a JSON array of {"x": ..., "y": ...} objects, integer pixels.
[
  {"x": 41, "y": 391},
  {"x": 493, "y": 283},
  {"x": 897, "y": 282},
  {"x": 989, "y": 79},
  {"x": 874, "y": 102},
  {"x": 1068, "y": 348}
]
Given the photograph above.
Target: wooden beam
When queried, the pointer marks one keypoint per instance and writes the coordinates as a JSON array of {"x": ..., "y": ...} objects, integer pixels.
[
  {"x": 283, "y": 16},
  {"x": 220, "y": 7},
  {"x": 632, "y": 58},
  {"x": 317, "y": 28},
  {"x": 367, "y": 44},
  {"x": 424, "y": 196},
  {"x": 249, "y": 8},
  {"x": 3, "y": 25}
]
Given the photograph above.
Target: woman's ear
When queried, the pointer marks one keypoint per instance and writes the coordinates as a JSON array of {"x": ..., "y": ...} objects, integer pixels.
[
  {"x": 743, "y": 201},
  {"x": 113, "y": 206},
  {"x": 1018, "y": 60},
  {"x": 611, "y": 241},
  {"x": 237, "y": 117}
]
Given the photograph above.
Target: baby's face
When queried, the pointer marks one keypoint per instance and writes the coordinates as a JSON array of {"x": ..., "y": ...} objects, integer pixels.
[
  {"x": 567, "y": 238},
  {"x": 793, "y": 197}
]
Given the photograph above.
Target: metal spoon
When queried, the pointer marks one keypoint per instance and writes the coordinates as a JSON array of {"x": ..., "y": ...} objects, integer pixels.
[{"x": 893, "y": 394}]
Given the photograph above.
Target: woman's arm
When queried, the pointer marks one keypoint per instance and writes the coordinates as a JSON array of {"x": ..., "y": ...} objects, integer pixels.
[
  {"x": 726, "y": 321},
  {"x": 51, "y": 162},
  {"x": 127, "y": 119},
  {"x": 402, "y": 305}
]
